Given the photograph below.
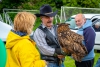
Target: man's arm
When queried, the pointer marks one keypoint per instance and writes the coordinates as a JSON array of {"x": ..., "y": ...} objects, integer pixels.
[
  {"x": 89, "y": 37},
  {"x": 39, "y": 37}
]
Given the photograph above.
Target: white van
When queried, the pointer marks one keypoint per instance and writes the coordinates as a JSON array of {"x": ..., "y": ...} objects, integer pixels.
[{"x": 4, "y": 30}]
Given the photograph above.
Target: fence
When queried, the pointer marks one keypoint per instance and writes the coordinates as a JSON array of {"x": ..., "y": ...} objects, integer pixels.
[
  {"x": 67, "y": 12},
  {"x": 1, "y": 19},
  {"x": 8, "y": 15}
]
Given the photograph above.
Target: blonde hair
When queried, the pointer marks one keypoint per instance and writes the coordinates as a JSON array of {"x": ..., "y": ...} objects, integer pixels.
[{"x": 24, "y": 22}]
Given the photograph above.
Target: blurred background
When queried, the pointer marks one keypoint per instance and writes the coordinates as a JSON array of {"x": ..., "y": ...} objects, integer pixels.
[{"x": 9, "y": 8}]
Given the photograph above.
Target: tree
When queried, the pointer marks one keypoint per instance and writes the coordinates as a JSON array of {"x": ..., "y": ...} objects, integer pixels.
[
  {"x": 82, "y": 3},
  {"x": 58, "y": 3}
]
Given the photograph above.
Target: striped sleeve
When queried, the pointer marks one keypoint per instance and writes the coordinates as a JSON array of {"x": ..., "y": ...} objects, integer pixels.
[{"x": 39, "y": 37}]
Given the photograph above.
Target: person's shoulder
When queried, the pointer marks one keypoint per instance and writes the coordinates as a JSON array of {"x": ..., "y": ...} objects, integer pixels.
[
  {"x": 24, "y": 42},
  {"x": 89, "y": 29},
  {"x": 38, "y": 30}
]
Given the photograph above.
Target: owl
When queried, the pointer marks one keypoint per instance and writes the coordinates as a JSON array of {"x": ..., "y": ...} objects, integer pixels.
[{"x": 71, "y": 42}]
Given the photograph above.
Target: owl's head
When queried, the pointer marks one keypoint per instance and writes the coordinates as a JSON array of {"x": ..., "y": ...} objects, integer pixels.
[{"x": 63, "y": 27}]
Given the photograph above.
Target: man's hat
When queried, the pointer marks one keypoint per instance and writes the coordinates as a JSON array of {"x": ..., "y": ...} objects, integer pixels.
[{"x": 46, "y": 10}]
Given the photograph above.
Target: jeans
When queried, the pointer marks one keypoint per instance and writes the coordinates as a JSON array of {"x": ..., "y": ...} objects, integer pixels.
[
  {"x": 88, "y": 63},
  {"x": 54, "y": 65}
]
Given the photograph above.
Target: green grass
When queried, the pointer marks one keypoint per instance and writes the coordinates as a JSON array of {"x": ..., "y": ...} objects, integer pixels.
[{"x": 69, "y": 62}]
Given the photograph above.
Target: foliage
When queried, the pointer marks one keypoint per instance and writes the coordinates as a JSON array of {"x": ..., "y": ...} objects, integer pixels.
[
  {"x": 56, "y": 4},
  {"x": 82, "y": 3},
  {"x": 13, "y": 4},
  {"x": 37, "y": 23}
]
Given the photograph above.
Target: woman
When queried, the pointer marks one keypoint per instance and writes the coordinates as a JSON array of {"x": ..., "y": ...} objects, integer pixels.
[{"x": 21, "y": 50}]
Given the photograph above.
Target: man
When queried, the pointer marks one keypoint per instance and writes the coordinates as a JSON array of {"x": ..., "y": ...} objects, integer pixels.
[
  {"x": 97, "y": 27},
  {"x": 85, "y": 29},
  {"x": 45, "y": 37}
]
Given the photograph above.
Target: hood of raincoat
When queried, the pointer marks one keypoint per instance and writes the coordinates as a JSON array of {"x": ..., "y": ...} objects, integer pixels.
[{"x": 13, "y": 38}]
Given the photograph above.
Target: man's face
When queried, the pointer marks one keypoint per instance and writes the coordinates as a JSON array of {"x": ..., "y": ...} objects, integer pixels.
[
  {"x": 47, "y": 21},
  {"x": 79, "y": 21}
]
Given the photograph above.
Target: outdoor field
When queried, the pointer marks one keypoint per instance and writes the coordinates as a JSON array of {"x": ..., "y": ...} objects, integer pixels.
[{"x": 69, "y": 62}]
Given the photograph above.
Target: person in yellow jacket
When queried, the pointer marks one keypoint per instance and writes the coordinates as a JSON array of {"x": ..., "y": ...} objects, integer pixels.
[{"x": 21, "y": 50}]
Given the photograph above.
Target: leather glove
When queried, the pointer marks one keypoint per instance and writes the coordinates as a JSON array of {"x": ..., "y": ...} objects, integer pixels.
[{"x": 58, "y": 51}]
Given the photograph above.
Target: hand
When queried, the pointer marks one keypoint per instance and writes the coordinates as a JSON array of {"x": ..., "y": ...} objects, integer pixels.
[
  {"x": 46, "y": 66},
  {"x": 61, "y": 56},
  {"x": 96, "y": 26},
  {"x": 46, "y": 62}
]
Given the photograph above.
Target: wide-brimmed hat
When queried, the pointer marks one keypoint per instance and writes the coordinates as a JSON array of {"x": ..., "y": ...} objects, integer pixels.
[{"x": 46, "y": 10}]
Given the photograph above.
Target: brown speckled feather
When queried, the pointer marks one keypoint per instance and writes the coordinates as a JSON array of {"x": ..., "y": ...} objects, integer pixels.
[{"x": 71, "y": 42}]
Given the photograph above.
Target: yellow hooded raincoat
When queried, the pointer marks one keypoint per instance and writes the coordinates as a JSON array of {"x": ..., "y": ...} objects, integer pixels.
[{"x": 21, "y": 52}]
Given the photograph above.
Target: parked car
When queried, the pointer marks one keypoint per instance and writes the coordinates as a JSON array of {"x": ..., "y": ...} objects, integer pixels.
[
  {"x": 95, "y": 18},
  {"x": 4, "y": 30}
]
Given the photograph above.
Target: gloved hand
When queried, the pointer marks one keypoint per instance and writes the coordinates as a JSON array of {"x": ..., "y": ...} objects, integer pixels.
[
  {"x": 58, "y": 51},
  {"x": 60, "y": 56},
  {"x": 63, "y": 52}
]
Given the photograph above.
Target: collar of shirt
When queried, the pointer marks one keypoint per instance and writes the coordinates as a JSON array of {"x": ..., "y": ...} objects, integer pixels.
[{"x": 50, "y": 29}]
